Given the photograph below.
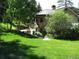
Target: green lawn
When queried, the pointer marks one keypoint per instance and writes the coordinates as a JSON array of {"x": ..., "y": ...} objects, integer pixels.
[
  {"x": 41, "y": 49},
  {"x": 6, "y": 25}
]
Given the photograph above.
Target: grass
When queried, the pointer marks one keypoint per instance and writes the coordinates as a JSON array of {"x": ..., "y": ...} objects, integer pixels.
[
  {"x": 30, "y": 47},
  {"x": 6, "y": 25},
  {"x": 52, "y": 49}
]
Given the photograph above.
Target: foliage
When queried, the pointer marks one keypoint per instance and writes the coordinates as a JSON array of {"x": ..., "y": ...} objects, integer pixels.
[
  {"x": 5, "y": 26},
  {"x": 23, "y": 11},
  {"x": 60, "y": 25},
  {"x": 58, "y": 21},
  {"x": 3, "y": 7},
  {"x": 10, "y": 11},
  {"x": 39, "y": 7}
]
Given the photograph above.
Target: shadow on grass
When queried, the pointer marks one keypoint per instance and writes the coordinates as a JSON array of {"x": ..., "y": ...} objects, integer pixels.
[
  {"x": 22, "y": 34},
  {"x": 15, "y": 50},
  {"x": 68, "y": 39}
]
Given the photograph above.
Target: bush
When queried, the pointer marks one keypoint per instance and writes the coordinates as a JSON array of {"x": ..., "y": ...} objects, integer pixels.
[{"x": 60, "y": 25}]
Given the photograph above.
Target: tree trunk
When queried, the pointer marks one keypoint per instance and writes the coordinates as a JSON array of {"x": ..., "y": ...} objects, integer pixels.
[
  {"x": 10, "y": 27},
  {"x": 10, "y": 22},
  {"x": 65, "y": 4},
  {"x": 18, "y": 25},
  {"x": 7, "y": 26}
]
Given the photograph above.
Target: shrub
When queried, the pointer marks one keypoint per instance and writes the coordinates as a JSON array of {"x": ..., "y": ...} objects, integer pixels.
[{"x": 60, "y": 25}]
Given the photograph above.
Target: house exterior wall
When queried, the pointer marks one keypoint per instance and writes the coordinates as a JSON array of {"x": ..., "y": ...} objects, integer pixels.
[
  {"x": 74, "y": 18},
  {"x": 41, "y": 21}
]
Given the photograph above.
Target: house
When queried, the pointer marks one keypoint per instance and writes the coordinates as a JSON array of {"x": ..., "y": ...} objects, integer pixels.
[
  {"x": 41, "y": 20},
  {"x": 41, "y": 17}
]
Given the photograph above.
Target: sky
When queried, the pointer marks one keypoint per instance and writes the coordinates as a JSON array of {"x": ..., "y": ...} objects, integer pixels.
[{"x": 46, "y": 4}]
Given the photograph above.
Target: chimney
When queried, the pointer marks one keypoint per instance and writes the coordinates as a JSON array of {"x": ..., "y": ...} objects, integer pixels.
[{"x": 53, "y": 7}]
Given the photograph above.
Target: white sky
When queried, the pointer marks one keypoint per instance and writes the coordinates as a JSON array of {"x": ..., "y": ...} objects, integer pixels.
[{"x": 46, "y": 4}]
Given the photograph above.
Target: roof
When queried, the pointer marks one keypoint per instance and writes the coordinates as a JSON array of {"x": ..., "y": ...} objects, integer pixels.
[
  {"x": 76, "y": 10},
  {"x": 45, "y": 12}
]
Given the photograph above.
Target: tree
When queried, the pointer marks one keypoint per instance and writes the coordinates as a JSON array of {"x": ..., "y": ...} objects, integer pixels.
[
  {"x": 23, "y": 10},
  {"x": 59, "y": 23},
  {"x": 10, "y": 12},
  {"x": 66, "y": 3},
  {"x": 3, "y": 6},
  {"x": 39, "y": 7}
]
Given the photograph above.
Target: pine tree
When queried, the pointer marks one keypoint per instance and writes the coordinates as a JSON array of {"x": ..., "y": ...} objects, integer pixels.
[{"x": 39, "y": 7}]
